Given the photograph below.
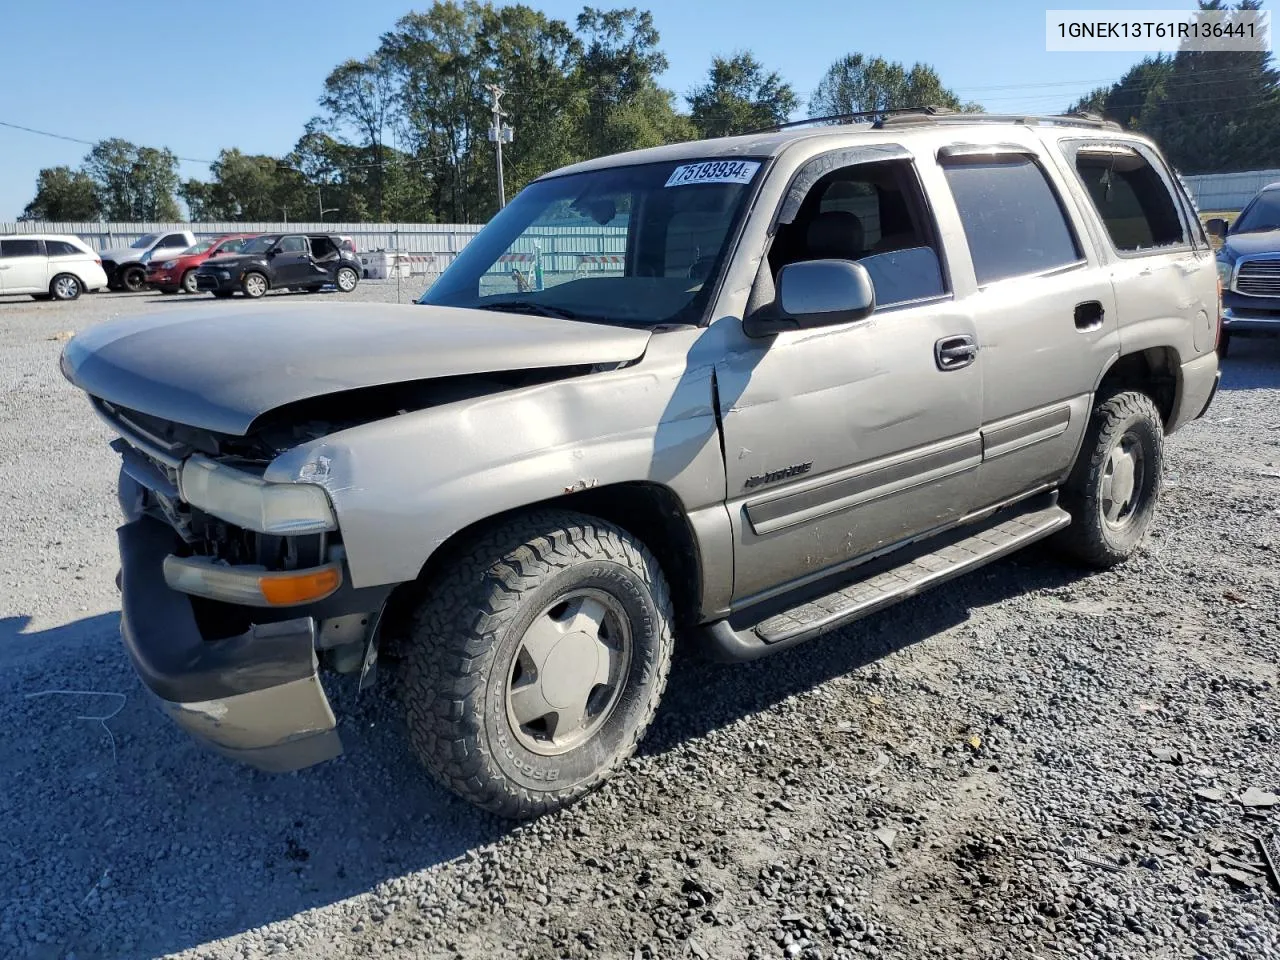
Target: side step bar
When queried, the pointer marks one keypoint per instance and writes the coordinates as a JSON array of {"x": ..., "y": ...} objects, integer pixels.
[{"x": 870, "y": 588}]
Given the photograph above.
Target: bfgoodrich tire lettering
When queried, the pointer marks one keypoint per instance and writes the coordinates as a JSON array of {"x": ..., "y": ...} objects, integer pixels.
[
  {"x": 467, "y": 637},
  {"x": 1114, "y": 486}
]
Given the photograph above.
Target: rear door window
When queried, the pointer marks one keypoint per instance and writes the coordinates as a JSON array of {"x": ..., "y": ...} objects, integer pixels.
[
  {"x": 1012, "y": 217},
  {"x": 1131, "y": 199},
  {"x": 21, "y": 248}
]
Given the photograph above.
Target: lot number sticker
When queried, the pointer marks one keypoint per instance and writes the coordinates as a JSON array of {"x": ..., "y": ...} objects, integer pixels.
[{"x": 713, "y": 171}]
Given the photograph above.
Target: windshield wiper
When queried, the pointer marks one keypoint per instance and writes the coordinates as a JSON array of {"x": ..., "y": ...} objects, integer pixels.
[{"x": 530, "y": 306}]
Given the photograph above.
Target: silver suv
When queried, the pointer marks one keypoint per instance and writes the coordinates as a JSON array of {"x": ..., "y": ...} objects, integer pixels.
[{"x": 733, "y": 394}]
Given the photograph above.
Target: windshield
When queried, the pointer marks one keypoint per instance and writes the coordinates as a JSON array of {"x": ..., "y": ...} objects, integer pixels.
[
  {"x": 200, "y": 247},
  {"x": 260, "y": 244},
  {"x": 144, "y": 241},
  {"x": 1262, "y": 214},
  {"x": 632, "y": 245}
]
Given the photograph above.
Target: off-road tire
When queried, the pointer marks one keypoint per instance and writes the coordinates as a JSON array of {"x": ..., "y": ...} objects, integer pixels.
[
  {"x": 468, "y": 629},
  {"x": 1090, "y": 539}
]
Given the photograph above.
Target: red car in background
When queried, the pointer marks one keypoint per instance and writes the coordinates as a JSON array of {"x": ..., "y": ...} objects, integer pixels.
[{"x": 179, "y": 273}]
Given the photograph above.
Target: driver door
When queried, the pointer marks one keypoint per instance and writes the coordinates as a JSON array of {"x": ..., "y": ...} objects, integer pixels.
[
  {"x": 844, "y": 441},
  {"x": 292, "y": 262}
]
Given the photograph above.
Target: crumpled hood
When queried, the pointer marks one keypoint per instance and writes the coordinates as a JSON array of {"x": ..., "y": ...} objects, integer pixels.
[
  {"x": 122, "y": 254},
  {"x": 222, "y": 368},
  {"x": 1241, "y": 244}
]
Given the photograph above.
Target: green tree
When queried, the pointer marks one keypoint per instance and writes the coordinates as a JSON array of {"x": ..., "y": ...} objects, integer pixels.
[
  {"x": 63, "y": 194},
  {"x": 360, "y": 93},
  {"x": 133, "y": 183},
  {"x": 740, "y": 96},
  {"x": 625, "y": 108},
  {"x": 859, "y": 84}
]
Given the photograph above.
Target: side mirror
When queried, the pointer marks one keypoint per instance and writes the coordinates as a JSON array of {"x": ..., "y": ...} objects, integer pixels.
[
  {"x": 815, "y": 293},
  {"x": 1217, "y": 226}
]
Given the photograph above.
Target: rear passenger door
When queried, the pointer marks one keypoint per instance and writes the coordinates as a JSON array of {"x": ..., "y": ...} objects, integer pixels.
[
  {"x": 1044, "y": 311},
  {"x": 1157, "y": 249},
  {"x": 24, "y": 268}
]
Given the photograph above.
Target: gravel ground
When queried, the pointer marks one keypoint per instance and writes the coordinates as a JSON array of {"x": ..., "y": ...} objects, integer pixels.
[{"x": 1028, "y": 762}]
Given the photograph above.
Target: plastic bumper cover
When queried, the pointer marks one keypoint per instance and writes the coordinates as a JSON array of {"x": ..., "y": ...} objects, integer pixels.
[
  {"x": 255, "y": 697},
  {"x": 1197, "y": 387}
]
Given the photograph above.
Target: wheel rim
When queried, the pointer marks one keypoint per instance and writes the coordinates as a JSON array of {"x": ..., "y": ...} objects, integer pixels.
[
  {"x": 254, "y": 285},
  {"x": 346, "y": 280},
  {"x": 189, "y": 283},
  {"x": 133, "y": 280},
  {"x": 1122, "y": 481},
  {"x": 66, "y": 287},
  {"x": 568, "y": 672}
]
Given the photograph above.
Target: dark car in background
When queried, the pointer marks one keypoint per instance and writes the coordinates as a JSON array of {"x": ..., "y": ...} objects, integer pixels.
[
  {"x": 1249, "y": 268},
  {"x": 179, "y": 273},
  {"x": 275, "y": 261}
]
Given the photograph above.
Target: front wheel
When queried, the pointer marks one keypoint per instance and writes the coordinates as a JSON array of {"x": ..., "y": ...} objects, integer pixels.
[
  {"x": 133, "y": 279},
  {"x": 345, "y": 280},
  {"x": 189, "y": 284},
  {"x": 254, "y": 285},
  {"x": 537, "y": 661},
  {"x": 1114, "y": 487}
]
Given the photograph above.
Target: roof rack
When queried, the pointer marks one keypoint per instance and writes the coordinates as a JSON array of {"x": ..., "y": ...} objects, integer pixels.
[
  {"x": 1079, "y": 119},
  {"x": 926, "y": 112}
]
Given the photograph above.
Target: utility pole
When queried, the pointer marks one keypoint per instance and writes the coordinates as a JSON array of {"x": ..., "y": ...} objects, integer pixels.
[{"x": 499, "y": 133}]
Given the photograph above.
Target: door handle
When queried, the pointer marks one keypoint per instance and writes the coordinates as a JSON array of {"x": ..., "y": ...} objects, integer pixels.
[
  {"x": 952, "y": 353},
  {"x": 1089, "y": 315}
]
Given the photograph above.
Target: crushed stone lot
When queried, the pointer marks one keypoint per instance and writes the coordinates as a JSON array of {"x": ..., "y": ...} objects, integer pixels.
[{"x": 1030, "y": 761}]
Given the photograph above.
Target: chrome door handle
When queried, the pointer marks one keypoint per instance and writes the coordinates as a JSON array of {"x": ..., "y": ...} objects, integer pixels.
[{"x": 952, "y": 353}]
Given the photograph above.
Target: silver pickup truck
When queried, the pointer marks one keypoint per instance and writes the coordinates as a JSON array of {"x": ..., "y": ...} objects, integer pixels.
[{"x": 733, "y": 394}]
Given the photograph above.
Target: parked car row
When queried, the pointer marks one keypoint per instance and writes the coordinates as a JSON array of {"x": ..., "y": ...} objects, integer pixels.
[{"x": 48, "y": 266}]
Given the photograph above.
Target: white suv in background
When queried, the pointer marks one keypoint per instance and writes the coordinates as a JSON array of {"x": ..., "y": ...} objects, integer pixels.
[{"x": 48, "y": 266}]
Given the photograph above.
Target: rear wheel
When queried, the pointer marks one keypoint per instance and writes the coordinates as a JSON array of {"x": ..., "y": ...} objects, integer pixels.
[
  {"x": 133, "y": 279},
  {"x": 345, "y": 279},
  {"x": 254, "y": 285},
  {"x": 1114, "y": 487},
  {"x": 65, "y": 287},
  {"x": 189, "y": 282},
  {"x": 537, "y": 661}
]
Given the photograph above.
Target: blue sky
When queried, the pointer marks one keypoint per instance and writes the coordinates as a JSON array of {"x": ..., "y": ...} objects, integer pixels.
[{"x": 196, "y": 77}]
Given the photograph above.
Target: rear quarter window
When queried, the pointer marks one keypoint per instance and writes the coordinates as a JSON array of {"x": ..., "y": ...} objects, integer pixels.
[
  {"x": 60, "y": 248},
  {"x": 1131, "y": 199}
]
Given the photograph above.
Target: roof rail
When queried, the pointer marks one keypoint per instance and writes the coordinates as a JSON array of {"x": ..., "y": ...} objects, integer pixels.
[
  {"x": 1061, "y": 119},
  {"x": 924, "y": 112}
]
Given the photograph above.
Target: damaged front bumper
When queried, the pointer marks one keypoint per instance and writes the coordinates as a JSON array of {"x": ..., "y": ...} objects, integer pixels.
[{"x": 255, "y": 697}]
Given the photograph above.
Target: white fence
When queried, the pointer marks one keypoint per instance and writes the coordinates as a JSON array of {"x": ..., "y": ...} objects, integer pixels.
[
  {"x": 1228, "y": 191},
  {"x": 443, "y": 240}
]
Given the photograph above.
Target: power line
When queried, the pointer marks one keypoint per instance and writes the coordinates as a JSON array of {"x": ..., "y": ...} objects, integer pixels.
[{"x": 91, "y": 143}]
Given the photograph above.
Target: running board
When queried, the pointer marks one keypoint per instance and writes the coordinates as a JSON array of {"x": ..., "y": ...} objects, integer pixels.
[{"x": 851, "y": 599}]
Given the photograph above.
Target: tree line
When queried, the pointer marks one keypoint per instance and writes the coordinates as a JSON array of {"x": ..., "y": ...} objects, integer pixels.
[{"x": 403, "y": 134}]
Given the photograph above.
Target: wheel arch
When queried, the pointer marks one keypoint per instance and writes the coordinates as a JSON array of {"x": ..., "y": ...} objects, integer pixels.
[
  {"x": 649, "y": 511},
  {"x": 1154, "y": 371}
]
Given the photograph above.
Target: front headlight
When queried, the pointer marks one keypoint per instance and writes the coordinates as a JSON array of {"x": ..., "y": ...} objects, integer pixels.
[
  {"x": 1225, "y": 269},
  {"x": 281, "y": 509},
  {"x": 168, "y": 264}
]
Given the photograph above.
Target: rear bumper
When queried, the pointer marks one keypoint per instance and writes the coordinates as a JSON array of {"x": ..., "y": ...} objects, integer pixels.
[
  {"x": 1197, "y": 387},
  {"x": 255, "y": 697}
]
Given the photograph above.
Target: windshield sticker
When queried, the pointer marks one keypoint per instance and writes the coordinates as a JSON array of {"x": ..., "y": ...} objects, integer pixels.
[{"x": 713, "y": 171}]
